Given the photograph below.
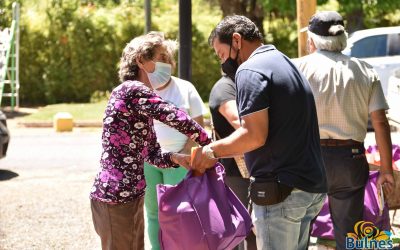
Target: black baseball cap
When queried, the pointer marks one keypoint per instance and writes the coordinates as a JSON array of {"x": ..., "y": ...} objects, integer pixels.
[{"x": 326, "y": 23}]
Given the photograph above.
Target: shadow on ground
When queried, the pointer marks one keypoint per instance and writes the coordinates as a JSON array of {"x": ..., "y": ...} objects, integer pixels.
[
  {"x": 7, "y": 175},
  {"x": 14, "y": 114}
]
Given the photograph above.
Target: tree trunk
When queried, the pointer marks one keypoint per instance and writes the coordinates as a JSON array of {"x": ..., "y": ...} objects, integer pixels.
[
  {"x": 355, "y": 20},
  {"x": 354, "y": 14},
  {"x": 256, "y": 14},
  {"x": 249, "y": 8}
]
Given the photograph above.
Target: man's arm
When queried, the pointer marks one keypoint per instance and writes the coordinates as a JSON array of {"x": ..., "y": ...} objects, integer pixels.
[
  {"x": 384, "y": 142},
  {"x": 190, "y": 143},
  {"x": 229, "y": 110},
  {"x": 251, "y": 135}
]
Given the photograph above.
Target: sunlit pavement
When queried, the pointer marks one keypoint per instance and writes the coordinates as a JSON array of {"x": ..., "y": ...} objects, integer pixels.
[{"x": 32, "y": 148}]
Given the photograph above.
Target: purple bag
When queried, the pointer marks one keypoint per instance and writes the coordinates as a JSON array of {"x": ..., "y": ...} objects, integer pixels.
[
  {"x": 323, "y": 226},
  {"x": 201, "y": 213}
]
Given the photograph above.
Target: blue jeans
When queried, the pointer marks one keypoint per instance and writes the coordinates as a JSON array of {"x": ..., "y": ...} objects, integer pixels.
[{"x": 286, "y": 225}]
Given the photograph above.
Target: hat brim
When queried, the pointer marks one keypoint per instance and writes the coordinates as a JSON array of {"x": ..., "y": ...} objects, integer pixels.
[{"x": 304, "y": 29}]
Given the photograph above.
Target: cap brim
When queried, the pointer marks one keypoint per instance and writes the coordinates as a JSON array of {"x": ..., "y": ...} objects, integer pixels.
[{"x": 304, "y": 29}]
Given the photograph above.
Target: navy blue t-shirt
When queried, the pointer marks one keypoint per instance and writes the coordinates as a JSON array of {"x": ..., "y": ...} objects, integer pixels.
[{"x": 269, "y": 80}]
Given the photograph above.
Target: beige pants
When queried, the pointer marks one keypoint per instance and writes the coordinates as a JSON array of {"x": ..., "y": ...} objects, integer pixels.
[{"x": 120, "y": 226}]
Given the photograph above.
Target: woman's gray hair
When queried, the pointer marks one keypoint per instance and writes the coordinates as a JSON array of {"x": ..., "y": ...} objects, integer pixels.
[
  {"x": 329, "y": 43},
  {"x": 143, "y": 47}
]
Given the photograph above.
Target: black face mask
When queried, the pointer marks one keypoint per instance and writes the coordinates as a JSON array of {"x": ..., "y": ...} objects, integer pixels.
[{"x": 230, "y": 65}]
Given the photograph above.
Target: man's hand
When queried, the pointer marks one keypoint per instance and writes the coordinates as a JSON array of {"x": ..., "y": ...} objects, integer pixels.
[
  {"x": 386, "y": 180},
  {"x": 182, "y": 160},
  {"x": 189, "y": 143},
  {"x": 200, "y": 161}
]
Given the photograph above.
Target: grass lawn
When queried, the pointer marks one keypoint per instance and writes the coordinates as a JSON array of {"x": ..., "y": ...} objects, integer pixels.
[{"x": 79, "y": 111}]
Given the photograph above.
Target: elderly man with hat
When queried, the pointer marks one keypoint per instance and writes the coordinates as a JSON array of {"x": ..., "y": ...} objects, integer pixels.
[{"x": 346, "y": 91}]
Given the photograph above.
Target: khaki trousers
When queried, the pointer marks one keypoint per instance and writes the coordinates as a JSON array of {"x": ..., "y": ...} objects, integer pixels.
[{"x": 120, "y": 226}]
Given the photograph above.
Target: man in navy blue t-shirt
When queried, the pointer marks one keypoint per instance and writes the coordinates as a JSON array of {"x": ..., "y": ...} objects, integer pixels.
[{"x": 278, "y": 134}]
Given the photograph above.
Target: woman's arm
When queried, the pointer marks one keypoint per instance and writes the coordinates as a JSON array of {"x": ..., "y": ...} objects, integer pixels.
[
  {"x": 150, "y": 104},
  {"x": 189, "y": 143},
  {"x": 167, "y": 159}
]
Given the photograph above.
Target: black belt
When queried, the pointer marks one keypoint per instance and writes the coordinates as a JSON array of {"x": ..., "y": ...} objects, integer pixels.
[{"x": 339, "y": 143}]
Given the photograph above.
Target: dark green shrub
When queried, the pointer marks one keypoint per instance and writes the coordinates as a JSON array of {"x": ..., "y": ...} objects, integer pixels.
[
  {"x": 205, "y": 65},
  {"x": 32, "y": 67},
  {"x": 71, "y": 49},
  {"x": 75, "y": 53},
  {"x": 99, "y": 96}
]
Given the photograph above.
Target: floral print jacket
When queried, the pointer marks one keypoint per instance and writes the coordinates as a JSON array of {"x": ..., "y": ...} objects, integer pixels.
[{"x": 129, "y": 139}]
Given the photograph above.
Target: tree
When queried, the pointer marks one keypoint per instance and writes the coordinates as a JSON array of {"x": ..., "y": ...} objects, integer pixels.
[
  {"x": 5, "y": 13},
  {"x": 252, "y": 9},
  {"x": 279, "y": 16},
  {"x": 363, "y": 14}
]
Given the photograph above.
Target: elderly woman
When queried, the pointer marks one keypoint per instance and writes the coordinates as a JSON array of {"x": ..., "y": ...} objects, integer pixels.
[{"x": 129, "y": 140}]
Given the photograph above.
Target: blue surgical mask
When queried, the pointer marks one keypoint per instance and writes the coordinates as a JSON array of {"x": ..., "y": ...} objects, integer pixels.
[{"x": 161, "y": 75}]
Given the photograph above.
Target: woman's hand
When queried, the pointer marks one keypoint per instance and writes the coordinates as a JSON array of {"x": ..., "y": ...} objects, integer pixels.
[{"x": 181, "y": 159}]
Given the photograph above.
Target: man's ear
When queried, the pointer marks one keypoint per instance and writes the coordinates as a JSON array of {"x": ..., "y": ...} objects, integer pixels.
[
  {"x": 311, "y": 45},
  {"x": 237, "y": 38}
]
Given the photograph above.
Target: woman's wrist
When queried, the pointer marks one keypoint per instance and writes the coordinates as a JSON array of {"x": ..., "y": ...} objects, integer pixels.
[{"x": 173, "y": 159}]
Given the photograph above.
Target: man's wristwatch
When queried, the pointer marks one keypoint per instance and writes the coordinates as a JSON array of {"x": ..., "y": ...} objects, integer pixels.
[{"x": 209, "y": 152}]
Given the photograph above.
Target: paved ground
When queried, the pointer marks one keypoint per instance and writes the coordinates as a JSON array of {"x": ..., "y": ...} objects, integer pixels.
[
  {"x": 45, "y": 205},
  {"x": 45, "y": 182}
]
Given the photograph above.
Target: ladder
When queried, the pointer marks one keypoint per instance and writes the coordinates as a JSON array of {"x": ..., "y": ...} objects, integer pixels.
[{"x": 9, "y": 61}]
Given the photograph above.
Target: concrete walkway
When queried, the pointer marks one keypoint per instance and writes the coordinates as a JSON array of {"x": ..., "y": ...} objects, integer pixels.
[{"x": 44, "y": 203}]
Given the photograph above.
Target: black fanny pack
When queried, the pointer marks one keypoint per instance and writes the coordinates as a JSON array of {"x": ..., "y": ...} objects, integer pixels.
[{"x": 268, "y": 190}]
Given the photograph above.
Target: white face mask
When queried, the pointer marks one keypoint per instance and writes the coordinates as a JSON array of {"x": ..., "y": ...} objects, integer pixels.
[{"x": 161, "y": 75}]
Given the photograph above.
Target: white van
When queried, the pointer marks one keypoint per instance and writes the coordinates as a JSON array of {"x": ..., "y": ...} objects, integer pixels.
[
  {"x": 393, "y": 98},
  {"x": 379, "y": 47}
]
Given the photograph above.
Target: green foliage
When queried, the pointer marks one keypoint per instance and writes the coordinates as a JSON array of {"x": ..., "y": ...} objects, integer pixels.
[
  {"x": 75, "y": 53},
  {"x": 282, "y": 32},
  {"x": 279, "y": 9},
  {"x": 205, "y": 67},
  {"x": 358, "y": 14},
  {"x": 381, "y": 13},
  {"x": 369, "y": 13},
  {"x": 100, "y": 2},
  {"x": 5, "y": 13},
  {"x": 99, "y": 96},
  {"x": 206, "y": 64},
  {"x": 70, "y": 49},
  {"x": 32, "y": 67}
]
